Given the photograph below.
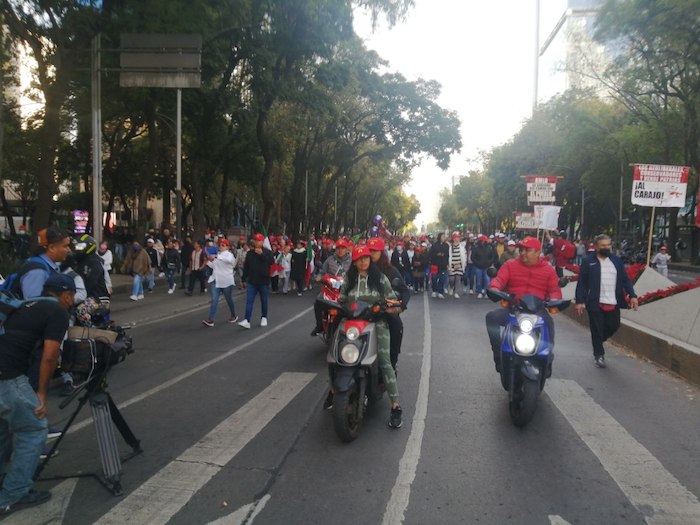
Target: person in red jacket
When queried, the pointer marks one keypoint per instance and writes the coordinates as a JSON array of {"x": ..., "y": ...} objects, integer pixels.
[{"x": 527, "y": 274}]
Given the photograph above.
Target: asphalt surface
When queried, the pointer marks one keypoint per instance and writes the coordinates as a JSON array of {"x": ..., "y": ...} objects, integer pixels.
[{"x": 233, "y": 431}]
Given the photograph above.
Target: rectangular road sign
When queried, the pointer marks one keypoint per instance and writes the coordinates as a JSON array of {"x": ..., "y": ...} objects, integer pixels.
[{"x": 155, "y": 60}]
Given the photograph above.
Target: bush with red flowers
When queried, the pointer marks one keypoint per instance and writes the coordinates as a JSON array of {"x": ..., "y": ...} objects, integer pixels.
[{"x": 667, "y": 292}]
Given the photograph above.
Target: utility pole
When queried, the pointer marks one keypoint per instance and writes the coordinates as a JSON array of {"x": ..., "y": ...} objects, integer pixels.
[{"x": 96, "y": 142}]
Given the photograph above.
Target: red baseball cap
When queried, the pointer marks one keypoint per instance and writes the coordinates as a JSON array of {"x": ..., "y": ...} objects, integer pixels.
[
  {"x": 224, "y": 241},
  {"x": 258, "y": 237},
  {"x": 530, "y": 242},
  {"x": 360, "y": 251},
  {"x": 376, "y": 244},
  {"x": 341, "y": 243}
]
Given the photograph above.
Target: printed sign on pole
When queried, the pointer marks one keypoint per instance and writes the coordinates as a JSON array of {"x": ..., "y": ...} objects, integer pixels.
[
  {"x": 659, "y": 185},
  {"x": 547, "y": 217},
  {"x": 540, "y": 190},
  {"x": 525, "y": 221}
]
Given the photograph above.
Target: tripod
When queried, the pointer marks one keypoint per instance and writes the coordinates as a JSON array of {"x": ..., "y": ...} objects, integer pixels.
[{"x": 104, "y": 413}]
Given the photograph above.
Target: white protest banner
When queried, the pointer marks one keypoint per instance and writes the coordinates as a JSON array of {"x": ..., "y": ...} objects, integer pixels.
[
  {"x": 659, "y": 185},
  {"x": 540, "y": 190},
  {"x": 525, "y": 221},
  {"x": 547, "y": 217}
]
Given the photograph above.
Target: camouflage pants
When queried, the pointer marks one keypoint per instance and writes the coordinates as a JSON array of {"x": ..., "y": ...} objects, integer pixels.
[{"x": 384, "y": 355}]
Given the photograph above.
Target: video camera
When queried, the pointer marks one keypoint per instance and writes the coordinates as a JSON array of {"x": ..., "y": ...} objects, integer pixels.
[{"x": 89, "y": 351}]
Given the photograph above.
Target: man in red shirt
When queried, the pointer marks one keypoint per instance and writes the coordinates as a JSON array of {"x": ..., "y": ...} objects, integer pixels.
[{"x": 526, "y": 274}]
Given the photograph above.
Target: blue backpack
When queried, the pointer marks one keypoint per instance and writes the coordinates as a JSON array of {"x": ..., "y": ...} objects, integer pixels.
[{"x": 12, "y": 285}]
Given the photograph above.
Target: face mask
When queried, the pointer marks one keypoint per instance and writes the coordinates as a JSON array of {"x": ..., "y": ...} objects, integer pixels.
[
  {"x": 604, "y": 252},
  {"x": 399, "y": 249},
  {"x": 136, "y": 248}
]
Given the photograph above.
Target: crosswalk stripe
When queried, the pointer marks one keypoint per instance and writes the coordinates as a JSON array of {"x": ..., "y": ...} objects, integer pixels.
[
  {"x": 654, "y": 491},
  {"x": 164, "y": 494}
]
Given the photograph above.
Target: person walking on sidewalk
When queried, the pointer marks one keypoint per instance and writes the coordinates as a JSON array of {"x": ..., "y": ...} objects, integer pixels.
[
  {"x": 198, "y": 262},
  {"x": 601, "y": 288},
  {"x": 660, "y": 261},
  {"x": 223, "y": 265},
  {"x": 137, "y": 263},
  {"x": 256, "y": 272}
]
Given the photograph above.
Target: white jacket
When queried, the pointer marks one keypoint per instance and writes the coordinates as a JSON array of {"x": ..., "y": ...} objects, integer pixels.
[
  {"x": 462, "y": 254},
  {"x": 223, "y": 268}
]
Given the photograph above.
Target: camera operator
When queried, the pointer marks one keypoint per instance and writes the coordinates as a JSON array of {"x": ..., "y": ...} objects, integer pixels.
[{"x": 36, "y": 328}]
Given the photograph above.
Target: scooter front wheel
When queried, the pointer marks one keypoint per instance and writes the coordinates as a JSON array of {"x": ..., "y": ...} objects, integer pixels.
[
  {"x": 524, "y": 402},
  {"x": 345, "y": 414}
]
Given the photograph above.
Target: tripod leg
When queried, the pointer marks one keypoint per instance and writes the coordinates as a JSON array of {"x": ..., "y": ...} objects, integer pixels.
[
  {"x": 122, "y": 425},
  {"x": 106, "y": 440}
]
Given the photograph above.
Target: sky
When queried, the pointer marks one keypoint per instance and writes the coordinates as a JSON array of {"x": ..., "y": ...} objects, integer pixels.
[{"x": 483, "y": 54}]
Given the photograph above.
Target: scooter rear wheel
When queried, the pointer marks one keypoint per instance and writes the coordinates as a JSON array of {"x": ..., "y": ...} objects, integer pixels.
[
  {"x": 524, "y": 403},
  {"x": 345, "y": 409}
]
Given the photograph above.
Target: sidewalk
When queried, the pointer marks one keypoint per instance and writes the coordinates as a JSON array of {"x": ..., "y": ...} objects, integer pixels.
[{"x": 685, "y": 267}]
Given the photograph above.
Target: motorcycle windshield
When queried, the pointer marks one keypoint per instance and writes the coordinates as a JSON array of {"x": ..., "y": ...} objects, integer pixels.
[{"x": 530, "y": 303}]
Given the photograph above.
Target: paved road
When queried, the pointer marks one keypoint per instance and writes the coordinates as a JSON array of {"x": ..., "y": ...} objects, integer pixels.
[{"x": 233, "y": 431}]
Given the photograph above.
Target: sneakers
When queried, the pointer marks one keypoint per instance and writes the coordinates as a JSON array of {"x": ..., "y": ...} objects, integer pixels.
[
  {"x": 599, "y": 361},
  {"x": 55, "y": 432},
  {"x": 328, "y": 403},
  {"x": 45, "y": 453},
  {"x": 395, "y": 418},
  {"x": 171, "y": 290},
  {"x": 208, "y": 322},
  {"x": 298, "y": 294},
  {"x": 480, "y": 296},
  {"x": 433, "y": 295},
  {"x": 188, "y": 292},
  {"x": 440, "y": 296},
  {"x": 33, "y": 498},
  {"x": 455, "y": 295},
  {"x": 134, "y": 297},
  {"x": 150, "y": 290},
  {"x": 244, "y": 323},
  {"x": 471, "y": 292},
  {"x": 263, "y": 321},
  {"x": 140, "y": 297},
  {"x": 233, "y": 319}
]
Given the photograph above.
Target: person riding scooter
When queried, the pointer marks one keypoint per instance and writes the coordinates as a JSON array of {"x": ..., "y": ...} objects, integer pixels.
[
  {"x": 336, "y": 264},
  {"x": 528, "y": 274}
]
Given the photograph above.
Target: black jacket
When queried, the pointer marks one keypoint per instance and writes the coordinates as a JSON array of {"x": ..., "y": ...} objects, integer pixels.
[
  {"x": 483, "y": 255},
  {"x": 256, "y": 269},
  {"x": 91, "y": 269}
]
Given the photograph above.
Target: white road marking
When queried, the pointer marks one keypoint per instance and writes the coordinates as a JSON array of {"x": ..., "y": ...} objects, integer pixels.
[
  {"x": 557, "y": 520},
  {"x": 157, "y": 500},
  {"x": 167, "y": 384},
  {"x": 654, "y": 491},
  {"x": 240, "y": 516},
  {"x": 51, "y": 512},
  {"x": 401, "y": 493}
]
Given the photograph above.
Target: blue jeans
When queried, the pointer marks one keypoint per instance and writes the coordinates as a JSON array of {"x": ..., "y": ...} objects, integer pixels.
[
  {"x": 440, "y": 282},
  {"x": 215, "y": 294},
  {"x": 151, "y": 279},
  {"x": 482, "y": 280},
  {"x": 469, "y": 276},
  {"x": 137, "y": 287},
  {"x": 170, "y": 276},
  {"x": 21, "y": 433},
  {"x": 251, "y": 291}
]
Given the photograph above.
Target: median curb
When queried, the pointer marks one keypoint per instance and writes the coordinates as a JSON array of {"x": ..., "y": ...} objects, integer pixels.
[{"x": 675, "y": 355}]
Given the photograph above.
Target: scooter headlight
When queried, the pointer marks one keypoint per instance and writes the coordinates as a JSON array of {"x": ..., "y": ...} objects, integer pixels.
[
  {"x": 352, "y": 333},
  {"x": 525, "y": 344},
  {"x": 526, "y": 324},
  {"x": 350, "y": 354}
]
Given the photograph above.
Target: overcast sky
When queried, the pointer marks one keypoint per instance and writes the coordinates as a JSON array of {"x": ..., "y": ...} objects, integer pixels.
[{"x": 482, "y": 52}]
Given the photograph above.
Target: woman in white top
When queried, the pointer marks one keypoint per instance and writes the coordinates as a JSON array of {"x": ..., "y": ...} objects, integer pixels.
[
  {"x": 660, "y": 261},
  {"x": 223, "y": 265}
]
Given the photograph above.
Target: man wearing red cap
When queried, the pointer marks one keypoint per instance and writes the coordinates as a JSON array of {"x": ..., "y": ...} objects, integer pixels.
[
  {"x": 256, "y": 272},
  {"x": 336, "y": 264},
  {"x": 528, "y": 274}
]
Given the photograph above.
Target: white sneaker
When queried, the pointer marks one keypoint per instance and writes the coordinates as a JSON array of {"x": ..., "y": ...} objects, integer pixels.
[
  {"x": 440, "y": 296},
  {"x": 244, "y": 323},
  {"x": 134, "y": 297},
  {"x": 471, "y": 292},
  {"x": 479, "y": 296},
  {"x": 433, "y": 295},
  {"x": 171, "y": 290},
  {"x": 263, "y": 321},
  {"x": 456, "y": 296},
  {"x": 140, "y": 297}
]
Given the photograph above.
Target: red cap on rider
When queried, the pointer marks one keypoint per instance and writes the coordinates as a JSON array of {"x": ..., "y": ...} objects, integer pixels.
[
  {"x": 376, "y": 244},
  {"x": 360, "y": 251}
]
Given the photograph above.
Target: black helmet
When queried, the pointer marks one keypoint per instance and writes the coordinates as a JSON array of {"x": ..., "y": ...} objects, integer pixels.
[{"x": 83, "y": 245}]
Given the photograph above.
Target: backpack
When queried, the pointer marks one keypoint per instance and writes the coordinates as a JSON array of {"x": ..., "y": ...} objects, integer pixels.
[
  {"x": 11, "y": 286},
  {"x": 568, "y": 250},
  {"x": 9, "y": 305}
]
